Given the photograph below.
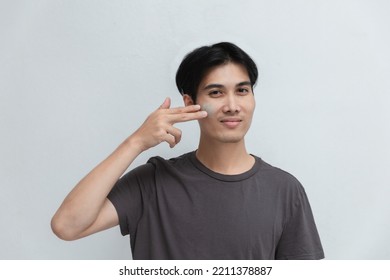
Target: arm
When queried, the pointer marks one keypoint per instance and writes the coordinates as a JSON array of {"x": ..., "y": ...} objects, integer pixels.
[{"x": 86, "y": 209}]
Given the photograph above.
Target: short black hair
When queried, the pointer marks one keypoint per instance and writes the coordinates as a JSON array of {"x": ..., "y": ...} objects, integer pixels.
[{"x": 195, "y": 65}]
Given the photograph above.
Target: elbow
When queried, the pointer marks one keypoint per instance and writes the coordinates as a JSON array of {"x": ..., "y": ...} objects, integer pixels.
[{"x": 61, "y": 230}]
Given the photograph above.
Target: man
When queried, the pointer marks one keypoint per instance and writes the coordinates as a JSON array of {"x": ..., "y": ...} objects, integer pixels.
[{"x": 218, "y": 202}]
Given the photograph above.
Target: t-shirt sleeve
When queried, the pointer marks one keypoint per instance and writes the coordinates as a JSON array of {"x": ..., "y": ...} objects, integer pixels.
[
  {"x": 128, "y": 196},
  {"x": 300, "y": 239}
]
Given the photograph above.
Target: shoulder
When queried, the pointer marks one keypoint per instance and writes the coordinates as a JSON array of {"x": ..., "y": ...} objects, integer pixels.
[
  {"x": 279, "y": 178},
  {"x": 276, "y": 172},
  {"x": 176, "y": 162},
  {"x": 287, "y": 187}
]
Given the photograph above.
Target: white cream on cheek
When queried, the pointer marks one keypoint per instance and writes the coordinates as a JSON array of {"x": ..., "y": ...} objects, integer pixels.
[{"x": 208, "y": 108}]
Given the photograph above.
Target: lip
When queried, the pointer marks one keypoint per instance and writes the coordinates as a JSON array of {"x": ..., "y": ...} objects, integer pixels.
[{"x": 231, "y": 122}]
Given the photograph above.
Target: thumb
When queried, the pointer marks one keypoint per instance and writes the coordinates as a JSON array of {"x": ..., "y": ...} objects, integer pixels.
[{"x": 166, "y": 104}]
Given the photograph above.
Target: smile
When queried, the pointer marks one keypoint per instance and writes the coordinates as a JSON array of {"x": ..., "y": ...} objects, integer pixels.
[{"x": 231, "y": 122}]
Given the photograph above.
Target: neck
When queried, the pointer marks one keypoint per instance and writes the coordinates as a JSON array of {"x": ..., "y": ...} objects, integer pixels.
[{"x": 225, "y": 158}]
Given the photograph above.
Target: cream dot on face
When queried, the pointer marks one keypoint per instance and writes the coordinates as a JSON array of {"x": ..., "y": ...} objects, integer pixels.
[{"x": 208, "y": 108}]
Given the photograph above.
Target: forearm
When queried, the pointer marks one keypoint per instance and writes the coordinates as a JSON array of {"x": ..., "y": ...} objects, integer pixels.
[
  {"x": 83, "y": 204},
  {"x": 83, "y": 211}
]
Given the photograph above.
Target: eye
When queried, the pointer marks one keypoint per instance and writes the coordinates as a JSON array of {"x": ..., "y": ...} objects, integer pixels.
[
  {"x": 243, "y": 91},
  {"x": 215, "y": 93}
]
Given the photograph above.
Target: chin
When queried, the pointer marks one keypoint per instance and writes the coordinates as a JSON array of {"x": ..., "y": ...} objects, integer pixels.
[
  {"x": 231, "y": 138},
  {"x": 223, "y": 136}
]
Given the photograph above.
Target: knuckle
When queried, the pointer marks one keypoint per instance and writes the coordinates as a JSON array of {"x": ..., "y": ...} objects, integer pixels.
[
  {"x": 161, "y": 131},
  {"x": 160, "y": 121},
  {"x": 180, "y": 110},
  {"x": 184, "y": 117}
]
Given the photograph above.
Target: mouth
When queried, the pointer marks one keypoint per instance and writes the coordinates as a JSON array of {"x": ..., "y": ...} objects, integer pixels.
[{"x": 231, "y": 122}]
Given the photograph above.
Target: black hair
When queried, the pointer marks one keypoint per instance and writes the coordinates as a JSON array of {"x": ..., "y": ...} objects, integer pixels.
[{"x": 195, "y": 65}]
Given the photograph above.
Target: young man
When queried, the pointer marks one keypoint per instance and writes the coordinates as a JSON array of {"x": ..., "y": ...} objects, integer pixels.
[{"x": 217, "y": 202}]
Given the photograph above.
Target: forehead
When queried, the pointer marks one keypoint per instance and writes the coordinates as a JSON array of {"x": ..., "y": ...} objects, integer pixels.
[{"x": 225, "y": 74}]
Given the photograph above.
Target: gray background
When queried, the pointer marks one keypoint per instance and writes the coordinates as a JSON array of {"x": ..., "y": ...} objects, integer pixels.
[{"x": 77, "y": 77}]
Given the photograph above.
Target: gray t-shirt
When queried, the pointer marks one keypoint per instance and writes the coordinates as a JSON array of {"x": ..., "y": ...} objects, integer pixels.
[{"x": 180, "y": 209}]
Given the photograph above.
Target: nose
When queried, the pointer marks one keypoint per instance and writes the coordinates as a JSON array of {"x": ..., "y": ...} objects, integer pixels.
[{"x": 231, "y": 104}]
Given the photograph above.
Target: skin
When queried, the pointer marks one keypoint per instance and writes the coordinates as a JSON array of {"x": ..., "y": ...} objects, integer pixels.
[
  {"x": 226, "y": 93},
  {"x": 86, "y": 209},
  {"x": 208, "y": 108}
]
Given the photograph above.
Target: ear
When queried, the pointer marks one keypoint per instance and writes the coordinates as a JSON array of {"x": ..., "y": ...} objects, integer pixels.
[{"x": 187, "y": 100}]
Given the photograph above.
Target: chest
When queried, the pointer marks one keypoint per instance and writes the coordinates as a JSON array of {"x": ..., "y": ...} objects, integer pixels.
[{"x": 244, "y": 220}]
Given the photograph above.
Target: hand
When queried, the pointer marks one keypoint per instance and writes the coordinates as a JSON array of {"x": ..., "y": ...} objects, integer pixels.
[{"x": 158, "y": 127}]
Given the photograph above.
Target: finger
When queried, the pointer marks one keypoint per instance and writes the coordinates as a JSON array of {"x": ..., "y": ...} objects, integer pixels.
[
  {"x": 186, "y": 109},
  {"x": 170, "y": 139},
  {"x": 185, "y": 117},
  {"x": 166, "y": 104},
  {"x": 175, "y": 132}
]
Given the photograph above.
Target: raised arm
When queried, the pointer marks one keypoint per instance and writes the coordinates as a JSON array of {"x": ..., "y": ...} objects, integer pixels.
[{"x": 86, "y": 209}]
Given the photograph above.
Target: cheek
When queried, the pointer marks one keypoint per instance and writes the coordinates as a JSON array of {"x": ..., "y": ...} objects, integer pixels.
[
  {"x": 209, "y": 108},
  {"x": 251, "y": 107}
]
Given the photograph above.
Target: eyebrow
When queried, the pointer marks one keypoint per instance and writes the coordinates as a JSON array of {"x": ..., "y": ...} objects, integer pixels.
[{"x": 210, "y": 86}]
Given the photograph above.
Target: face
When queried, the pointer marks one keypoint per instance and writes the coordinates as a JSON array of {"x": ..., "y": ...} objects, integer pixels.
[{"x": 226, "y": 94}]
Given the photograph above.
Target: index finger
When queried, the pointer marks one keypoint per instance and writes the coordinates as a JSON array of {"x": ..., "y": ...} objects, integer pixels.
[
  {"x": 185, "y": 117},
  {"x": 186, "y": 109}
]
